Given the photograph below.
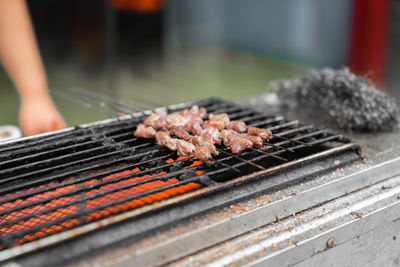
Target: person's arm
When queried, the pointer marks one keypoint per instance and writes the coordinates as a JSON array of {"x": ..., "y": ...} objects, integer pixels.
[{"x": 21, "y": 59}]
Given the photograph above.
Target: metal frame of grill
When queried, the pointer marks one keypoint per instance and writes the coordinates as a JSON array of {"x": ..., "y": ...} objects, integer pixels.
[{"x": 76, "y": 152}]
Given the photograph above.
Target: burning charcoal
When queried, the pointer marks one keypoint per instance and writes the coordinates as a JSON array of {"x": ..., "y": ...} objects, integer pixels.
[
  {"x": 188, "y": 175},
  {"x": 155, "y": 163},
  {"x": 175, "y": 166},
  {"x": 128, "y": 152},
  {"x": 7, "y": 240},
  {"x": 147, "y": 157}
]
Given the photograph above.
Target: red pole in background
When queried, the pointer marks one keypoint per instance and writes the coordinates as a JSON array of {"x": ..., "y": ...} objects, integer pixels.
[{"x": 369, "y": 39}]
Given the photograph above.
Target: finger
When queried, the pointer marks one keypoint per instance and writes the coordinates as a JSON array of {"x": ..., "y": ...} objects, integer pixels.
[
  {"x": 57, "y": 124},
  {"x": 29, "y": 129}
]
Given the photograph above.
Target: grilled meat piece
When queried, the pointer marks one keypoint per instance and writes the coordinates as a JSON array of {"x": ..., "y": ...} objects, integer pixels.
[
  {"x": 217, "y": 130},
  {"x": 239, "y": 144},
  {"x": 213, "y": 134},
  {"x": 219, "y": 121},
  {"x": 214, "y": 124},
  {"x": 171, "y": 143},
  {"x": 175, "y": 119},
  {"x": 238, "y": 126},
  {"x": 181, "y": 133},
  {"x": 155, "y": 119},
  {"x": 145, "y": 132},
  {"x": 160, "y": 140},
  {"x": 160, "y": 124},
  {"x": 194, "y": 111},
  {"x": 184, "y": 148},
  {"x": 202, "y": 112},
  {"x": 206, "y": 142},
  {"x": 185, "y": 118},
  {"x": 193, "y": 122},
  {"x": 219, "y": 117},
  {"x": 203, "y": 154},
  {"x": 194, "y": 116},
  {"x": 263, "y": 133},
  {"x": 227, "y": 136},
  {"x": 197, "y": 130},
  {"x": 163, "y": 138},
  {"x": 256, "y": 140},
  {"x": 198, "y": 112}
]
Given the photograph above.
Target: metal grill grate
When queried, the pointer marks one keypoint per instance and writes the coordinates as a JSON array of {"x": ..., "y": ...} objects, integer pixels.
[{"x": 53, "y": 183}]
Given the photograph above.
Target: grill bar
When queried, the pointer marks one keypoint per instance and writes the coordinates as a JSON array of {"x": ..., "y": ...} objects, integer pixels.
[
  {"x": 199, "y": 179},
  {"x": 104, "y": 133},
  {"x": 136, "y": 174},
  {"x": 48, "y": 179},
  {"x": 71, "y": 135},
  {"x": 237, "y": 165},
  {"x": 100, "y": 194},
  {"x": 268, "y": 154},
  {"x": 141, "y": 173},
  {"x": 76, "y": 157},
  {"x": 112, "y": 103},
  {"x": 242, "y": 159},
  {"x": 69, "y": 171},
  {"x": 79, "y": 180},
  {"x": 101, "y": 150},
  {"x": 70, "y": 234},
  {"x": 89, "y": 131},
  {"x": 104, "y": 206}
]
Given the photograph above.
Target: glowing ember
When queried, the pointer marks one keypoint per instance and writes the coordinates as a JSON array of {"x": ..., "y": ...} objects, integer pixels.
[{"x": 58, "y": 212}]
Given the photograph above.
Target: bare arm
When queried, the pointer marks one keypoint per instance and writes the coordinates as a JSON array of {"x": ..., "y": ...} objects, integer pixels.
[{"x": 20, "y": 57}]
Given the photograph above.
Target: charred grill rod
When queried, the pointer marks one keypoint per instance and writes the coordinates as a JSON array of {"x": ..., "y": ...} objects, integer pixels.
[
  {"x": 227, "y": 166},
  {"x": 103, "y": 100},
  {"x": 277, "y": 146},
  {"x": 268, "y": 154},
  {"x": 289, "y": 139},
  {"x": 113, "y": 102},
  {"x": 119, "y": 107},
  {"x": 244, "y": 160},
  {"x": 75, "y": 100}
]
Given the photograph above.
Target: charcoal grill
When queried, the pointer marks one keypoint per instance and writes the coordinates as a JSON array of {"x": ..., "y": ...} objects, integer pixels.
[{"x": 74, "y": 185}]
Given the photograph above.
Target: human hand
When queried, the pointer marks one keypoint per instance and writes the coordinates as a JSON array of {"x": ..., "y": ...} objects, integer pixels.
[{"x": 38, "y": 114}]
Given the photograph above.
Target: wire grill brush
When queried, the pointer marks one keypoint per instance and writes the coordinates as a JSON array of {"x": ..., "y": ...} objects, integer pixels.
[{"x": 348, "y": 99}]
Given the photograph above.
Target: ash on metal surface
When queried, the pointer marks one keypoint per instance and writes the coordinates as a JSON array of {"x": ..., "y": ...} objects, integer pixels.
[{"x": 348, "y": 99}]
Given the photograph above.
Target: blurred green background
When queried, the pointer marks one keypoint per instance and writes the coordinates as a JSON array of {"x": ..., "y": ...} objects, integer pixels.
[
  {"x": 186, "y": 50},
  {"x": 193, "y": 73}
]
